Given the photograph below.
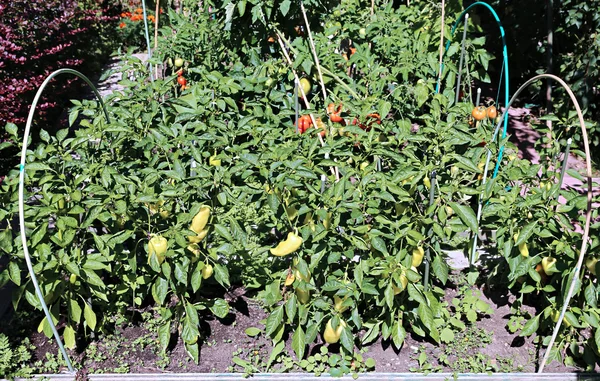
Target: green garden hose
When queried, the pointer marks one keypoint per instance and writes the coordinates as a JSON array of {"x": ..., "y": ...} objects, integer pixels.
[
  {"x": 38, "y": 291},
  {"x": 504, "y": 67},
  {"x": 147, "y": 38}
]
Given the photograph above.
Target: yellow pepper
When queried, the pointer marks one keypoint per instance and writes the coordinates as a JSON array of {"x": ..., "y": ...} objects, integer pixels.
[
  {"x": 198, "y": 238},
  {"x": 207, "y": 271},
  {"x": 524, "y": 250},
  {"x": 549, "y": 265},
  {"x": 200, "y": 220},
  {"x": 417, "y": 256},
  {"x": 157, "y": 246},
  {"x": 291, "y": 244},
  {"x": 303, "y": 296},
  {"x": 213, "y": 161},
  {"x": 332, "y": 336}
]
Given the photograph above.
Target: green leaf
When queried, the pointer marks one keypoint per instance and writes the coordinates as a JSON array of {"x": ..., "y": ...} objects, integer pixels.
[
  {"x": 291, "y": 307},
  {"x": 440, "y": 269},
  {"x": 398, "y": 334},
  {"x": 92, "y": 278},
  {"x": 14, "y": 272},
  {"x": 447, "y": 335},
  {"x": 465, "y": 163},
  {"x": 74, "y": 310},
  {"x": 38, "y": 234},
  {"x": 591, "y": 295},
  {"x": 471, "y": 316},
  {"x": 421, "y": 94},
  {"x": 530, "y": 327},
  {"x": 285, "y": 7},
  {"x": 12, "y": 129},
  {"x": 526, "y": 232},
  {"x": 426, "y": 315},
  {"x": 253, "y": 331},
  {"x": 90, "y": 316},
  {"x": 180, "y": 273},
  {"x": 277, "y": 349},
  {"x": 160, "y": 288},
  {"x": 220, "y": 308},
  {"x": 299, "y": 343},
  {"x": 370, "y": 363},
  {"x": 242, "y": 9},
  {"x": 379, "y": 245},
  {"x": 372, "y": 334},
  {"x": 164, "y": 335},
  {"x": 192, "y": 350},
  {"x": 347, "y": 340},
  {"x": 222, "y": 275},
  {"x": 196, "y": 279},
  {"x": 223, "y": 232},
  {"x": 72, "y": 268},
  {"x": 274, "y": 320},
  {"x": 466, "y": 215},
  {"x": 6, "y": 238},
  {"x": 69, "y": 337}
]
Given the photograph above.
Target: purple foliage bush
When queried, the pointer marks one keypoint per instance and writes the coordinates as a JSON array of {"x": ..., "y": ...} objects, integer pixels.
[{"x": 40, "y": 36}]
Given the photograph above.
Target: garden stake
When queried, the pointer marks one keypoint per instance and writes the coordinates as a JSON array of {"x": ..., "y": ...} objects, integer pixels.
[
  {"x": 156, "y": 15},
  {"x": 325, "y": 70},
  {"x": 147, "y": 39},
  {"x": 462, "y": 56},
  {"x": 480, "y": 203},
  {"x": 314, "y": 52},
  {"x": 427, "y": 252},
  {"x": 588, "y": 213},
  {"x": 443, "y": 27},
  {"x": 305, "y": 99},
  {"x": 478, "y": 97},
  {"x": 296, "y": 105},
  {"x": 504, "y": 66},
  {"x": 565, "y": 163},
  {"x": 36, "y": 285}
]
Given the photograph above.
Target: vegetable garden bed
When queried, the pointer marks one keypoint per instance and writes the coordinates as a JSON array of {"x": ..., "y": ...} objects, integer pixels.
[{"x": 214, "y": 217}]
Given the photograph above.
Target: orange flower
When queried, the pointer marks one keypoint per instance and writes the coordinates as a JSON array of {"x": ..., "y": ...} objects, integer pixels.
[
  {"x": 151, "y": 18},
  {"x": 122, "y": 25},
  {"x": 136, "y": 18},
  {"x": 139, "y": 10},
  {"x": 161, "y": 11},
  {"x": 123, "y": 14}
]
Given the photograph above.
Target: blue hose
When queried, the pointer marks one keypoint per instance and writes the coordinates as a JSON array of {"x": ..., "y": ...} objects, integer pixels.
[
  {"x": 504, "y": 65},
  {"x": 147, "y": 39}
]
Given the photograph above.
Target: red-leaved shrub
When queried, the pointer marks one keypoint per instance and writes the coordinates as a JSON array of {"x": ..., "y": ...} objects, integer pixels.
[{"x": 40, "y": 36}]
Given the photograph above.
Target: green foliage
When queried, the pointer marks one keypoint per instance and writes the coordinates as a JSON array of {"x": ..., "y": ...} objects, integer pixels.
[
  {"x": 14, "y": 360},
  {"x": 360, "y": 200}
]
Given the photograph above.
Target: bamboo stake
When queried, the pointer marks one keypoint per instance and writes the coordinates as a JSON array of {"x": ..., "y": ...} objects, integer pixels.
[
  {"x": 314, "y": 52},
  {"x": 156, "y": 13},
  {"x": 325, "y": 70},
  {"x": 442, "y": 37},
  {"x": 304, "y": 97}
]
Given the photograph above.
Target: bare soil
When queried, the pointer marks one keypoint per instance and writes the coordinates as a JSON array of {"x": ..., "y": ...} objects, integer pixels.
[{"x": 134, "y": 348}]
